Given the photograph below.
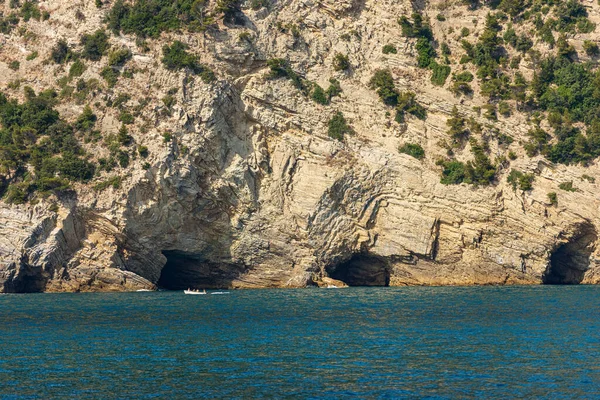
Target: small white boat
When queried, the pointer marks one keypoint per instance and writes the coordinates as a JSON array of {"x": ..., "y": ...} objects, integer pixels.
[
  {"x": 194, "y": 292},
  {"x": 143, "y": 290},
  {"x": 220, "y": 293}
]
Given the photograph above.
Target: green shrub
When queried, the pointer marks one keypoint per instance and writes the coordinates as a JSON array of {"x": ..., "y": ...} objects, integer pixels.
[
  {"x": 30, "y": 10},
  {"x": 280, "y": 68},
  {"x": 568, "y": 186},
  {"x": 504, "y": 109},
  {"x": 228, "y": 8},
  {"x": 383, "y": 82},
  {"x": 523, "y": 181},
  {"x": 407, "y": 103},
  {"x": 77, "y": 69},
  {"x": 338, "y": 127},
  {"x": 175, "y": 57},
  {"x": 588, "y": 178},
  {"x": 149, "y": 18},
  {"x": 61, "y": 53},
  {"x": 341, "y": 62},
  {"x": 258, "y": 4},
  {"x": 114, "y": 181},
  {"x": 123, "y": 158},
  {"x": 94, "y": 45},
  {"x": 425, "y": 52},
  {"x": 440, "y": 73},
  {"x": 169, "y": 101},
  {"x": 457, "y": 127},
  {"x": 110, "y": 75},
  {"x": 413, "y": 150},
  {"x": 245, "y": 37},
  {"x": 8, "y": 23},
  {"x": 32, "y": 56},
  {"x": 389, "y": 49},
  {"x": 590, "y": 48},
  {"x": 553, "y": 198},
  {"x": 319, "y": 95},
  {"x": 464, "y": 76},
  {"x": 14, "y": 65},
  {"x": 123, "y": 137},
  {"x": 334, "y": 89},
  {"x": 143, "y": 151},
  {"x": 453, "y": 172},
  {"x": 119, "y": 57},
  {"x": 126, "y": 118},
  {"x": 86, "y": 120}
]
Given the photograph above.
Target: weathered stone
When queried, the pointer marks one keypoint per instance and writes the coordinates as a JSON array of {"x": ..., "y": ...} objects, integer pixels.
[{"x": 251, "y": 192}]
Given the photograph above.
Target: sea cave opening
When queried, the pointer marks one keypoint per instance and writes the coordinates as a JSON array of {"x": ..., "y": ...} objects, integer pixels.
[
  {"x": 570, "y": 261},
  {"x": 190, "y": 270},
  {"x": 362, "y": 270}
]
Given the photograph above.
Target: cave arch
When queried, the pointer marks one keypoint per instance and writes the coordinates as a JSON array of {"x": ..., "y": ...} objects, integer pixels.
[
  {"x": 362, "y": 270},
  {"x": 191, "y": 270},
  {"x": 570, "y": 261}
]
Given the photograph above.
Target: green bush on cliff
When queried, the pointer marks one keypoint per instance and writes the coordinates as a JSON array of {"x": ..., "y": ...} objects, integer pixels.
[
  {"x": 38, "y": 151},
  {"x": 281, "y": 68},
  {"x": 149, "y": 18},
  {"x": 518, "y": 179},
  {"x": 176, "y": 57},
  {"x": 413, "y": 150},
  {"x": 338, "y": 127},
  {"x": 94, "y": 45}
]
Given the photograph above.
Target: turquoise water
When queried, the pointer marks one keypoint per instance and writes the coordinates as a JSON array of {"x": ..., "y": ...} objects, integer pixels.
[{"x": 484, "y": 342}]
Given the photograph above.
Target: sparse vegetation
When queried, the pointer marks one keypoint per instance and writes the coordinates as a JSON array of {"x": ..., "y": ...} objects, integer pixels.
[
  {"x": 338, "y": 127},
  {"x": 389, "y": 49},
  {"x": 341, "y": 62},
  {"x": 176, "y": 57},
  {"x": 568, "y": 187},
  {"x": 518, "y": 179},
  {"x": 413, "y": 150}
]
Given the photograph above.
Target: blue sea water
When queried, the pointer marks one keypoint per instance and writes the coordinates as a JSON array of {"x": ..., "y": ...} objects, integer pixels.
[{"x": 415, "y": 342}]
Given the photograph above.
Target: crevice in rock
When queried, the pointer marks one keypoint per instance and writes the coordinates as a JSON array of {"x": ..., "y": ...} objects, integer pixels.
[
  {"x": 362, "y": 270},
  {"x": 188, "y": 270},
  {"x": 570, "y": 261}
]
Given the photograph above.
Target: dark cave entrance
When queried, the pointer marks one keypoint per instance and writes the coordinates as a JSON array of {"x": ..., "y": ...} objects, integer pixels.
[
  {"x": 362, "y": 270},
  {"x": 187, "y": 270},
  {"x": 30, "y": 279},
  {"x": 570, "y": 261}
]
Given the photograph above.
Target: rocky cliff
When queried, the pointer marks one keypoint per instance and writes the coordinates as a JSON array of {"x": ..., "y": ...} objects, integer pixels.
[{"x": 241, "y": 186}]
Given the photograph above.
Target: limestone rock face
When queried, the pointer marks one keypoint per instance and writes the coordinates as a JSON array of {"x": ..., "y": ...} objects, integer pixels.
[{"x": 252, "y": 193}]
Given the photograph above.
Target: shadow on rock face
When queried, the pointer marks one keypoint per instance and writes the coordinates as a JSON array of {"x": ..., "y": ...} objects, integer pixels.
[
  {"x": 362, "y": 270},
  {"x": 186, "y": 270},
  {"x": 570, "y": 261}
]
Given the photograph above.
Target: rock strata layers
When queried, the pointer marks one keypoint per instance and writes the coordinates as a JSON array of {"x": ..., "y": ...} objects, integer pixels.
[{"x": 252, "y": 193}]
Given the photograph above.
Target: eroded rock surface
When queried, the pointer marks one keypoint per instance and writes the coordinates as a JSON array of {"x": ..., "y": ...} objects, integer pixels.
[{"x": 252, "y": 193}]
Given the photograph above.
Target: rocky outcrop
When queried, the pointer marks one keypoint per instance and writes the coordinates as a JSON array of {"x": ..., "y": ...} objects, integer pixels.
[{"x": 252, "y": 193}]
